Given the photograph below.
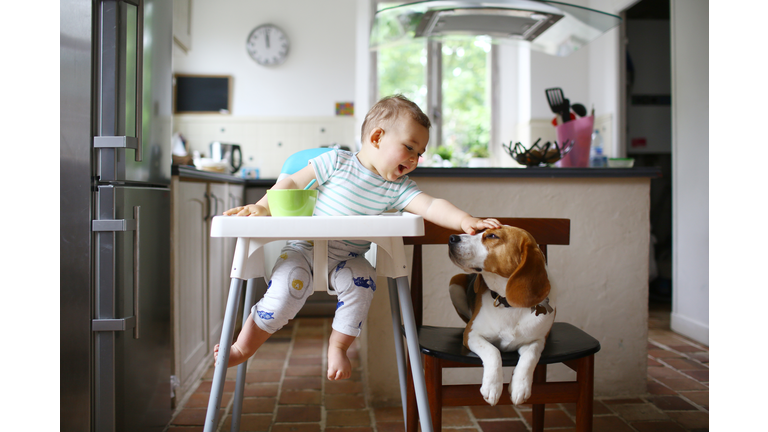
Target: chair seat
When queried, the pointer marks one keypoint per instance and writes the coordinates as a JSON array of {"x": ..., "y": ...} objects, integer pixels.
[{"x": 565, "y": 342}]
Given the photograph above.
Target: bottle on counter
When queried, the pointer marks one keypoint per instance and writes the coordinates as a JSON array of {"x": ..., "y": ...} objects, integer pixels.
[{"x": 597, "y": 158}]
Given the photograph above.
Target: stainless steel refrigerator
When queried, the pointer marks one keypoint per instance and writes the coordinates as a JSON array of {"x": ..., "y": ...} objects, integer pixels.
[{"x": 115, "y": 104}]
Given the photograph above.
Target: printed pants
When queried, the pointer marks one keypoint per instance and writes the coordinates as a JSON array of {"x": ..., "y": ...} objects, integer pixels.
[{"x": 353, "y": 278}]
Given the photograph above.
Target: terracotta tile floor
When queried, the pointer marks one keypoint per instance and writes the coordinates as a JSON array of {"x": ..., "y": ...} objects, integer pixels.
[{"x": 286, "y": 391}]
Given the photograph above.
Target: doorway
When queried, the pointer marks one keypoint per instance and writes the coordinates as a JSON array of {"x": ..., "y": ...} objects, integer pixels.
[{"x": 648, "y": 117}]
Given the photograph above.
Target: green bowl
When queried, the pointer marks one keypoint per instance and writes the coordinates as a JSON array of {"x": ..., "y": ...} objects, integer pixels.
[{"x": 292, "y": 202}]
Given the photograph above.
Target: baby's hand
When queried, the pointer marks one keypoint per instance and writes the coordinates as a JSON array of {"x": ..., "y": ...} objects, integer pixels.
[
  {"x": 248, "y": 210},
  {"x": 474, "y": 225}
]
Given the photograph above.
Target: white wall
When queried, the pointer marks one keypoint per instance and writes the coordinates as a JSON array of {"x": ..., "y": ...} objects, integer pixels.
[
  {"x": 277, "y": 111},
  {"x": 319, "y": 71},
  {"x": 690, "y": 168}
]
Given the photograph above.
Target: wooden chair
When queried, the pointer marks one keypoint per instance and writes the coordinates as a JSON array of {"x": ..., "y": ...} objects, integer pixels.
[{"x": 442, "y": 347}]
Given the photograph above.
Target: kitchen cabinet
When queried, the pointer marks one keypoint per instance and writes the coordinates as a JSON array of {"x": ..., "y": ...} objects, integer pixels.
[{"x": 200, "y": 274}]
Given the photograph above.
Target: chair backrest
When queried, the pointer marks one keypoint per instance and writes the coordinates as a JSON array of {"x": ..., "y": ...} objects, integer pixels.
[
  {"x": 546, "y": 231},
  {"x": 299, "y": 160}
]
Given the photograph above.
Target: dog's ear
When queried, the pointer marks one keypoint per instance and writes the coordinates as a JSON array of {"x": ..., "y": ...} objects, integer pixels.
[
  {"x": 529, "y": 283},
  {"x": 458, "y": 291}
]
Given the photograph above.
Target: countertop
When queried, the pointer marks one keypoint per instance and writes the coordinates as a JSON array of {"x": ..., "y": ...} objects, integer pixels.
[
  {"x": 191, "y": 173},
  {"x": 538, "y": 172},
  {"x": 188, "y": 172}
]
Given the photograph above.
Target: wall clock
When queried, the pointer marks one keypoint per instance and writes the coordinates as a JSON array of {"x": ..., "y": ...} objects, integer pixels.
[{"x": 267, "y": 45}]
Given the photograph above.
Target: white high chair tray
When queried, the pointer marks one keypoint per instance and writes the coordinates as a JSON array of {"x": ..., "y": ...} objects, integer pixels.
[{"x": 318, "y": 227}]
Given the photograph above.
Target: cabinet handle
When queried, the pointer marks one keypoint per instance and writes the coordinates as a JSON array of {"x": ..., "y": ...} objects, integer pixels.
[
  {"x": 215, "y": 205},
  {"x": 208, "y": 207},
  {"x": 233, "y": 201}
]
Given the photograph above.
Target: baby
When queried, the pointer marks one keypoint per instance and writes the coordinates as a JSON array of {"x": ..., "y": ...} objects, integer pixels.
[{"x": 394, "y": 134}]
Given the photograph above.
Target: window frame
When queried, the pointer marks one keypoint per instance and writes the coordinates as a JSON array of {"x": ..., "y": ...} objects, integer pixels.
[{"x": 434, "y": 80}]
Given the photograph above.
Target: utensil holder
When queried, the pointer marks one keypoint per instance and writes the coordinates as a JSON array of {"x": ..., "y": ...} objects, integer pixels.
[{"x": 580, "y": 131}]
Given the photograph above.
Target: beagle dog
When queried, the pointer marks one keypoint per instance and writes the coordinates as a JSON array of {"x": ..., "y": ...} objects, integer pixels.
[{"x": 505, "y": 303}]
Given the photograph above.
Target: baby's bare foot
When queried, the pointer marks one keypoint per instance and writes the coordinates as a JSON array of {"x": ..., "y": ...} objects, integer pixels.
[{"x": 339, "y": 366}]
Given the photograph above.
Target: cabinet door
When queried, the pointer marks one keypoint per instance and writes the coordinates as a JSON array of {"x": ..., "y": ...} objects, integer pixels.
[
  {"x": 218, "y": 268},
  {"x": 191, "y": 232}
]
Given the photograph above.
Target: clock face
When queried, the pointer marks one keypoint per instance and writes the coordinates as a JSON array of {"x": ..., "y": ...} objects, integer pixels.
[{"x": 268, "y": 45}]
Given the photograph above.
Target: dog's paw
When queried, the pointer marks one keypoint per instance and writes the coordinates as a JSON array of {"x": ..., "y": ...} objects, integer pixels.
[
  {"x": 492, "y": 393},
  {"x": 492, "y": 387},
  {"x": 520, "y": 391}
]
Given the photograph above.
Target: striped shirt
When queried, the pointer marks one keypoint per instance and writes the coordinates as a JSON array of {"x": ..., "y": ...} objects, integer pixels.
[{"x": 346, "y": 187}]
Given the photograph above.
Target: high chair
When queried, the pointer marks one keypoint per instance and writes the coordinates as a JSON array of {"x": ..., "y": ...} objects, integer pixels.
[{"x": 252, "y": 233}]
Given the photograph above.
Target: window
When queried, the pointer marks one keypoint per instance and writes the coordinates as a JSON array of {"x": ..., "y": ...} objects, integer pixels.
[
  {"x": 451, "y": 82},
  {"x": 466, "y": 105}
]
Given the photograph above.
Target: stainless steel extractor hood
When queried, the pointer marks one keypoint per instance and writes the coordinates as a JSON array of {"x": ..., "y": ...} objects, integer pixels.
[{"x": 551, "y": 27}]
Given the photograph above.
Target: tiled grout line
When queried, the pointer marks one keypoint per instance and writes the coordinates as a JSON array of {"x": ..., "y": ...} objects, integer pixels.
[{"x": 681, "y": 394}]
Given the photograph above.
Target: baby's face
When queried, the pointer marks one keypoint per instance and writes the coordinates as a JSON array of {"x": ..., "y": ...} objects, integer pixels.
[{"x": 400, "y": 146}]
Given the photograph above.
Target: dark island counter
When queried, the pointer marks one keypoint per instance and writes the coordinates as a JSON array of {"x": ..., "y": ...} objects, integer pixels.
[
  {"x": 191, "y": 173},
  {"x": 538, "y": 172}
]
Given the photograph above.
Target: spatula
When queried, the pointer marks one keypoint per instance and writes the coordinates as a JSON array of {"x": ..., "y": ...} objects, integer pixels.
[
  {"x": 558, "y": 103},
  {"x": 579, "y": 109}
]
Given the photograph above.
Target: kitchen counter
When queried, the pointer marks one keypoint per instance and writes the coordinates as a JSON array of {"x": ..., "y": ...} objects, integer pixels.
[
  {"x": 190, "y": 172},
  {"x": 538, "y": 172}
]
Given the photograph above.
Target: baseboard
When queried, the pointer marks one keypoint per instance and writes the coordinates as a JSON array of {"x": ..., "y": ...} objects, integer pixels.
[{"x": 690, "y": 328}]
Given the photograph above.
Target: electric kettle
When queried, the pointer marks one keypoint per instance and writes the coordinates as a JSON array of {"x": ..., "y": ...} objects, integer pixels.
[{"x": 227, "y": 153}]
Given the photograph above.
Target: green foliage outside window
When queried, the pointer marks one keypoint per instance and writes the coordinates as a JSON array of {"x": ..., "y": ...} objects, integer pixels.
[
  {"x": 466, "y": 99},
  {"x": 465, "y": 84},
  {"x": 402, "y": 70}
]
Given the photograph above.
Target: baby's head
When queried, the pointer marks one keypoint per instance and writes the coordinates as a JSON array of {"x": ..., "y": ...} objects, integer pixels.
[
  {"x": 395, "y": 134},
  {"x": 389, "y": 110}
]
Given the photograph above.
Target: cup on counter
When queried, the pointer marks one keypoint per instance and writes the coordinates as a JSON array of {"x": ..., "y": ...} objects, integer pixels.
[{"x": 579, "y": 130}]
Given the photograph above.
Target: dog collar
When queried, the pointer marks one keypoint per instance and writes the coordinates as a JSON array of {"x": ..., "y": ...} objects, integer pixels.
[
  {"x": 499, "y": 300},
  {"x": 542, "y": 308}
]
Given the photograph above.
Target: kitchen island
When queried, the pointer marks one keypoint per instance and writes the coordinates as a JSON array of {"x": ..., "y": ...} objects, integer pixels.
[{"x": 601, "y": 278}]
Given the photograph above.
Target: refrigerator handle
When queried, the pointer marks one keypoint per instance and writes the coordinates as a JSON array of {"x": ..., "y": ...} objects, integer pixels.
[
  {"x": 139, "y": 82},
  {"x": 136, "y": 261},
  {"x": 113, "y": 225},
  {"x": 129, "y": 142}
]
